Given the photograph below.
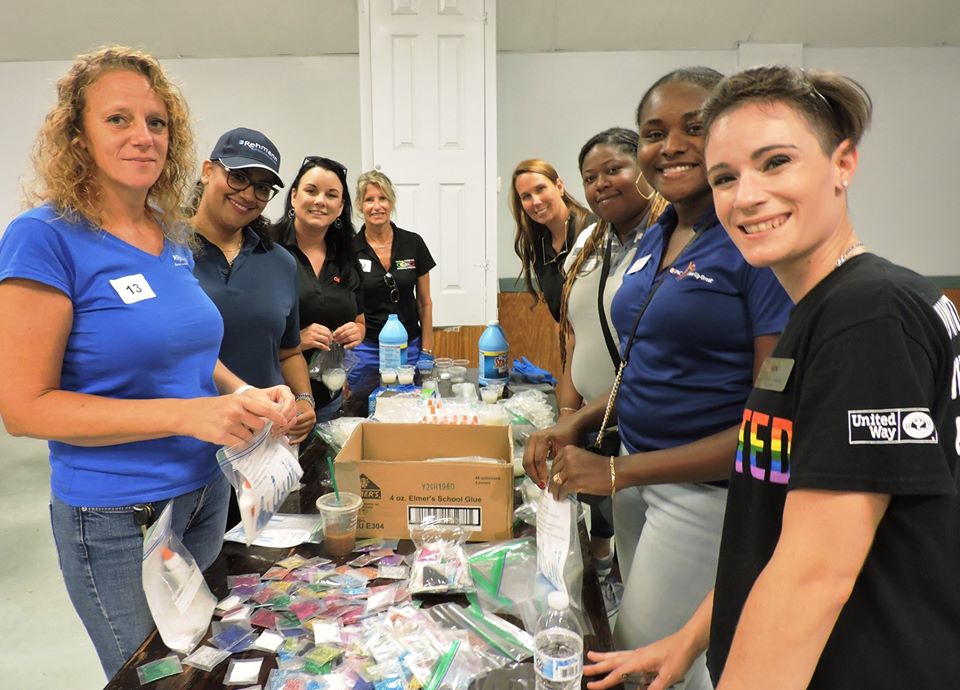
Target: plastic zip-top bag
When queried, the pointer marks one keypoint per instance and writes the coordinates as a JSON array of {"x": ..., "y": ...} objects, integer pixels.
[
  {"x": 264, "y": 471},
  {"x": 179, "y": 599}
]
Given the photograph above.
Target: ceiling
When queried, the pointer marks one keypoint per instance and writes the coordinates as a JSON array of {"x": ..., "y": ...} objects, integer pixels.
[{"x": 58, "y": 29}]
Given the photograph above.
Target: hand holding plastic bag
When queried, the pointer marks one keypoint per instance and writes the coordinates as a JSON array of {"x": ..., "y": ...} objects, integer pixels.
[{"x": 263, "y": 471}]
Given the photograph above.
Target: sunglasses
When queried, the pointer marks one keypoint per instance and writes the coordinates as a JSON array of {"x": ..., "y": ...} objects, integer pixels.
[
  {"x": 336, "y": 166},
  {"x": 392, "y": 284},
  {"x": 238, "y": 180}
]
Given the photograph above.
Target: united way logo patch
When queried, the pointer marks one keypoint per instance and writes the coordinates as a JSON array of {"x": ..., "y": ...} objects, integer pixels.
[{"x": 897, "y": 425}]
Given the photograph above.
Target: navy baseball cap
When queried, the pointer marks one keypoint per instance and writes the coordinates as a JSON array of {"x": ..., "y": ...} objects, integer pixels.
[{"x": 247, "y": 148}]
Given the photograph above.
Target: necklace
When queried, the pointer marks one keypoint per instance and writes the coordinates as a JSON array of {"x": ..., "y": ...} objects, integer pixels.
[
  {"x": 235, "y": 251},
  {"x": 846, "y": 255}
]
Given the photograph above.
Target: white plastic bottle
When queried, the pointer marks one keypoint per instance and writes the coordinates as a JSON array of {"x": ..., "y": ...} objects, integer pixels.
[{"x": 558, "y": 646}]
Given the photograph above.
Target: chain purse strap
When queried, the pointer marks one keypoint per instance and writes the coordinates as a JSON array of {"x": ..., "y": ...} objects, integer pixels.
[{"x": 625, "y": 357}]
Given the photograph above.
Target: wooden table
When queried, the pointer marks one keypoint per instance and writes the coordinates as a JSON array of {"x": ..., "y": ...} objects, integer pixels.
[{"x": 237, "y": 559}]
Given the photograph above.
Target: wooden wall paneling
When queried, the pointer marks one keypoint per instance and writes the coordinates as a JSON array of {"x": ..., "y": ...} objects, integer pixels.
[
  {"x": 532, "y": 333},
  {"x": 954, "y": 295}
]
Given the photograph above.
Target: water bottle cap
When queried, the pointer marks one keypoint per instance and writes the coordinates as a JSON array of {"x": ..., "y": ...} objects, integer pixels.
[
  {"x": 392, "y": 317},
  {"x": 493, "y": 322},
  {"x": 558, "y": 600}
]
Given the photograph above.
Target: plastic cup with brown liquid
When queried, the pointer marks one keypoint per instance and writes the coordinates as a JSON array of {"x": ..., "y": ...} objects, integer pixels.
[{"x": 339, "y": 522}]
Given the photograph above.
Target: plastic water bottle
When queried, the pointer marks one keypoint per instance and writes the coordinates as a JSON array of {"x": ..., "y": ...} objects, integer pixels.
[
  {"x": 393, "y": 344},
  {"x": 558, "y": 646},
  {"x": 494, "y": 355}
]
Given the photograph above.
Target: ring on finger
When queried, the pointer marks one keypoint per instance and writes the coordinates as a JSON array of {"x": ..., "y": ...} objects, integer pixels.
[{"x": 557, "y": 479}]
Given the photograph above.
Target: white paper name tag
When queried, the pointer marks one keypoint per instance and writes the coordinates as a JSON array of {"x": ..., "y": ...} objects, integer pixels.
[
  {"x": 133, "y": 288},
  {"x": 365, "y": 265},
  {"x": 638, "y": 264}
]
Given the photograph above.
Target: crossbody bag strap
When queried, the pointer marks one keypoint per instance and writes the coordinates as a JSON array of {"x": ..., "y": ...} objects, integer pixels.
[
  {"x": 625, "y": 357},
  {"x": 604, "y": 324}
]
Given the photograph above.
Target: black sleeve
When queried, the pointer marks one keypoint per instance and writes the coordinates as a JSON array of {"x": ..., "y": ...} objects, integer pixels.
[{"x": 864, "y": 419}]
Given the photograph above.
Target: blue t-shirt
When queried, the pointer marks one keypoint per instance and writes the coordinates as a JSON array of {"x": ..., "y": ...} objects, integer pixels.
[
  {"x": 142, "y": 328},
  {"x": 257, "y": 298},
  {"x": 691, "y": 366}
]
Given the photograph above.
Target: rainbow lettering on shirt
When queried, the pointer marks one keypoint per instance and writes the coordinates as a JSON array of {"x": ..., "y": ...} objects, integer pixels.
[{"x": 766, "y": 433}]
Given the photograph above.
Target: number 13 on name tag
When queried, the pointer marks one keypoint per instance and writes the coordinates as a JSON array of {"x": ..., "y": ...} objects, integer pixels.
[{"x": 133, "y": 288}]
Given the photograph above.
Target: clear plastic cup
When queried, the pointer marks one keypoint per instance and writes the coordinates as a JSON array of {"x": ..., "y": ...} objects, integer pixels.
[
  {"x": 491, "y": 392},
  {"x": 458, "y": 374},
  {"x": 405, "y": 374},
  {"x": 388, "y": 376},
  {"x": 339, "y": 522},
  {"x": 441, "y": 367}
]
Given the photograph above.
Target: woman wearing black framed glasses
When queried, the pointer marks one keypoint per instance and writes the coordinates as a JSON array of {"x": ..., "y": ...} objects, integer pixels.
[
  {"x": 252, "y": 283},
  {"x": 395, "y": 267},
  {"x": 318, "y": 230}
]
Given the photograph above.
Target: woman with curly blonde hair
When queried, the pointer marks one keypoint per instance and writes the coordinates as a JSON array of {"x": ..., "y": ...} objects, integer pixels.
[{"x": 110, "y": 346}]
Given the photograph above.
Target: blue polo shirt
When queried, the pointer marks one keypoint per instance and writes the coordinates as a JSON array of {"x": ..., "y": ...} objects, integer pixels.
[
  {"x": 141, "y": 328},
  {"x": 257, "y": 298},
  {"x": 691, "y": 365}
]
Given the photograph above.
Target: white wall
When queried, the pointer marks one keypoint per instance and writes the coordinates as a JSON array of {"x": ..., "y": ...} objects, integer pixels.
[
  {"x": 305, "y": 105},
  {"x": 905, "y": 199}
]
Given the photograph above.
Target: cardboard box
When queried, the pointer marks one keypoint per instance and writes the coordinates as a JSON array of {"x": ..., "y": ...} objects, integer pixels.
[{"x": 389, "y": 466}]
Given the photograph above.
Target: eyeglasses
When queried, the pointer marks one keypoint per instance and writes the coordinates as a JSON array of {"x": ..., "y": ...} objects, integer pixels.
[
  {"x": 238, "y": 180},
  {"x": 329, "y": 163},
  {"x": 392, "y": 284}
]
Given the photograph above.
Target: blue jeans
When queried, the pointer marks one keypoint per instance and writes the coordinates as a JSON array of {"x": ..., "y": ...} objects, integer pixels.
[{"x": 100, "y": 551}]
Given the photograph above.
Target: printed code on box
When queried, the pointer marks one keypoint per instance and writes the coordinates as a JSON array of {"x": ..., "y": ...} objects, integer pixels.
[{"x": 467, "y": 518}]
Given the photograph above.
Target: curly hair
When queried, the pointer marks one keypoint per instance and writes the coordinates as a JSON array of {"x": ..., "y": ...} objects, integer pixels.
[
  {"x": 627, "y": 141},
  {"x": 65, "y": 173},
  {"x": 530, "y": 231}
]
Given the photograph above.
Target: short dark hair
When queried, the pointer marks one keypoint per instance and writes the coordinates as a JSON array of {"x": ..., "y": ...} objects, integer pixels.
[
  {"x": 704, "y": 77},
  {"x": 837, "y": 107}
]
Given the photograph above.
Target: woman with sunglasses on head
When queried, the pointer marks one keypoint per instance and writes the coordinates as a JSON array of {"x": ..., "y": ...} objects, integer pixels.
[
  {"x": 318, "y": 230},
  {"x": 695, "y": 321},
  {"x": 548, "y": 221},
  {"x": 252, "y": 282},
  {"x": 840, "y": 547},
  {"x": 626, "y": 205},
  {"x": 110, "y": 346},
  {"x": 395, "y": 267}
]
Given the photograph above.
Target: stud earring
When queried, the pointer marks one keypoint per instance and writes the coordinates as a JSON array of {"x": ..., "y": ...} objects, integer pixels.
[{"x": 845, "y": 183}]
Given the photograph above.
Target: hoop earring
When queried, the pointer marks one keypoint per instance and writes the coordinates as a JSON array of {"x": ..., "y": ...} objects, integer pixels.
[
  {"x": 338, "y": 223},
  {"x": 290, "y": 213},
  {"x": 636, "y": 183}
]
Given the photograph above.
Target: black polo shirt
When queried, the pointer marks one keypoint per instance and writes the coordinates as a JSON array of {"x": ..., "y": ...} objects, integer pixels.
[
  {"x": 548, "y": 265},
  {"x": 257, "y": 298},
  {"x": 332, "y": 299},
  {"x": 409, "y": 259}
]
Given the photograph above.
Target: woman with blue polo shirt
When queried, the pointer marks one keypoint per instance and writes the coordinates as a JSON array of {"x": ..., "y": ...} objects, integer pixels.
[
  {"x": 707, "y": 319},
  {"x": 110, "y": 346},
  {"x": 252, "y": 281}
]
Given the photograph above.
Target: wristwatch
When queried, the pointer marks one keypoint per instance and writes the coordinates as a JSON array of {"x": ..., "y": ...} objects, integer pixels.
[{"x": 308, "y": 398}]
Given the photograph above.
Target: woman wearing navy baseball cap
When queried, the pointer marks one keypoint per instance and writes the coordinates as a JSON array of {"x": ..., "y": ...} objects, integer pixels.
[{"x": 251, "y": 280}]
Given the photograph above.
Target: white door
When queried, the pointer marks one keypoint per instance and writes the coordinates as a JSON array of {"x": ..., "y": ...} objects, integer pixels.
[{"x": 429, "y": 113}]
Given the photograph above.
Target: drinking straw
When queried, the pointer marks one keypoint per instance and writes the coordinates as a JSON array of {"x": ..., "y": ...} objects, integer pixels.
[{"x": 333, "y": 478}]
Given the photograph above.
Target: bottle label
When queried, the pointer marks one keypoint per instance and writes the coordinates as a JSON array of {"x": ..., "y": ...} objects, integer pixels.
[
  {"x": 493, "y": 365},
  {"x": 559, "y": 655}
]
